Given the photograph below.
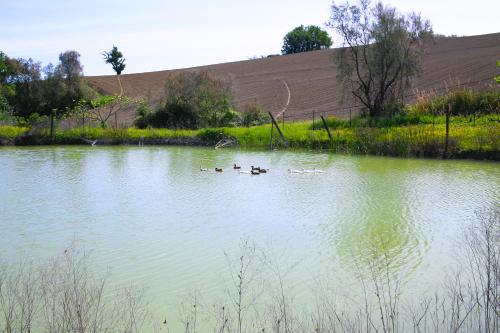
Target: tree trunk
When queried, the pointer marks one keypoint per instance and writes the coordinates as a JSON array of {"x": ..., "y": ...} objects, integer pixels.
[{"x": 120, "y": 84}]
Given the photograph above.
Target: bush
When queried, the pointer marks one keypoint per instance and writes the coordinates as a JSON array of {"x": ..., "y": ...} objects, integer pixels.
[
  {"x": 253, "y": 115},
  {"x": 461, "y": 102},
  {"x": 193, "y": 100}
]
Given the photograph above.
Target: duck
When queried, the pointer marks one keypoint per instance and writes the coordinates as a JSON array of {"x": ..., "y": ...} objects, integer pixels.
[
  {"x": 262, "y": 170},
  {"x": 203, "y": 169},
  {"x": 236, "y": 167},
  {"x": 255, "y": 172},
  {"x": 219, "y": 170},
  {"x": 255, "y": 168}
]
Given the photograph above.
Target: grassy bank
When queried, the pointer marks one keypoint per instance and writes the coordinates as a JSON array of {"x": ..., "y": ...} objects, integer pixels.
[{"x": 406, "y": 136}]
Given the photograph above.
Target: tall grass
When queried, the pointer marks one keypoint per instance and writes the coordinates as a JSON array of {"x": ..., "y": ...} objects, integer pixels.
[
  {"x": 461, "y": 102},
  {"x": 403, "y": 135},
  {"x": 12, "y": 132}
]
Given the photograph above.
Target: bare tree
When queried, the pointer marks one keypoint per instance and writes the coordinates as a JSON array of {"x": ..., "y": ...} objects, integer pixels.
[
  {"x": 72, "y": 299},
  {"x": 243, "y": 292},
  {"x": 19, "y": 297},
  {"x": 103, "y": 108}
]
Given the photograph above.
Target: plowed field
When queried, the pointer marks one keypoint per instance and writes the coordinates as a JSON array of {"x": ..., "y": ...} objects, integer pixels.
[{"x": 311, "y": 77}]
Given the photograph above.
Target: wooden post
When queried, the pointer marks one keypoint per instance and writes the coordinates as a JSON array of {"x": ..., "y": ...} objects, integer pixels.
[
  {"x": 271, "y": 141},
  {"x": 448, "y": 111},
  {"x": 326, "y": 127},
  {"x": 277, "y": 127}
]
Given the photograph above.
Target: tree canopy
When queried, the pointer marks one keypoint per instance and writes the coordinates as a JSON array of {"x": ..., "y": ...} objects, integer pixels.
[
  {"x": 116, "y": 59},
  {"x": 382, "y": 52},
  {"x": 193, "y": 100},
  {"x": 26, "y": 88},
  {"x": 303, "y": 39}
]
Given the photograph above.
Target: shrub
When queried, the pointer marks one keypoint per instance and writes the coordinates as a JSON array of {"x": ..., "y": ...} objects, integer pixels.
[
  {"x": 252, "y": 115},
  {"x": 193, "y": 100},
  {"x": 461, "y": 102}
]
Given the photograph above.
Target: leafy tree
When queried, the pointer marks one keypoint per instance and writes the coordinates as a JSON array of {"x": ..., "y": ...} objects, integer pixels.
[
  {"x": 303, "y": 39},
  {"x": 31, "y": 89},
  {"x": 26, "y": 77},
  {"x": 253, "y": 115},
  {"x": 69, "y": 65},
  {"x": 193, "y": 100},
  {"x": 381, "y": 54},
  {"x": 117, "y": 61},
  {"x": 6, "y": 89}
]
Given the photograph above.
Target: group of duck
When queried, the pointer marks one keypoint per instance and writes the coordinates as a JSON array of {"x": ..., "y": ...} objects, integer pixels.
[
  {"x": 253, "y": 171},
  {"x": 258, "y": 170}
]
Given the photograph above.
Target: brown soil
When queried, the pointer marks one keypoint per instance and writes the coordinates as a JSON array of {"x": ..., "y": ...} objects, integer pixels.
[{"x": 311, "y": 77}]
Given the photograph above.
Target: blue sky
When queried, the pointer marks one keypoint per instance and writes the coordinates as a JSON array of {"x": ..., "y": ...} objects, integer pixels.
[{"x": 157, "y": 35}]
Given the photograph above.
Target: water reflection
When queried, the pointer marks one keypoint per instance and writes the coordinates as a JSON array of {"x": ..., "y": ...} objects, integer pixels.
[{"x": 153, "y": 217}]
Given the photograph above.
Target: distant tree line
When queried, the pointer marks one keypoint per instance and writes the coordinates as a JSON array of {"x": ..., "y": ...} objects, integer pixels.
[
  {"x": 27, "y": 88},
  {"x": 30, "y": 92}
]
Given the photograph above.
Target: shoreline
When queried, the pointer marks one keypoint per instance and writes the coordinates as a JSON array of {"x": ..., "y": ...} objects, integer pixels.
[{"x": 197, "y": 141}]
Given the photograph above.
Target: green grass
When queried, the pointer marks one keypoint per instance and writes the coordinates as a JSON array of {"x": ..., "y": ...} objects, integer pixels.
[
  {"x": 12, "y": 132},
  {"x": 397, "y": 136},
  {"x": 93, "y": 133}
]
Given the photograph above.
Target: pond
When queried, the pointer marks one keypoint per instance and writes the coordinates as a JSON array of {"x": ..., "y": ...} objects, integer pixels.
[{"x": 150, "y": 217}]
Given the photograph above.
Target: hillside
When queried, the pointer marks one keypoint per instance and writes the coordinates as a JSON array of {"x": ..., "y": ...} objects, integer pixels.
[{"x": 311, "y": 77}]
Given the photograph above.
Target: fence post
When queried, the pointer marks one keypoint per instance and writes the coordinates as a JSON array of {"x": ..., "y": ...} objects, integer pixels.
[
  {"x": 277, "y": 127},
  {"x": 327, "y": 129},
  {"x": 448, "y": 112},
  {"x": 271, "y": 141}
]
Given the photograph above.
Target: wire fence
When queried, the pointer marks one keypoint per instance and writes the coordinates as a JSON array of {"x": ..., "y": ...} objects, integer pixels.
[{"x": 351, "y": 110}]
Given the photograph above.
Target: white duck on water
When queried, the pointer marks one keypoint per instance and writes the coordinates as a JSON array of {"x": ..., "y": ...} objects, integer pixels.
[{"x": 312, "y": 171}]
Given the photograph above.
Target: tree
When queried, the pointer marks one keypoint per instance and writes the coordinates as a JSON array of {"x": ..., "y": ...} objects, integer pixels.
[
  {"x": 31, "y": 89},
  {"x": 6, "y": 88},
  {"x": 303, "y": 39},
  {"x": 117, "y": 61},
  {"x": 69, "y": 65},
  {"x": 102, "y": 108},
  {"x": 193, "y": 100},
  {"x": 381, "y": 54},
  {"x": 26, "y": 77}
]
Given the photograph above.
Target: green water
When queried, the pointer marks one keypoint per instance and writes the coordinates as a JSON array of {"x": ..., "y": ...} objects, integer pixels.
[{"x": 152, "y": 218}]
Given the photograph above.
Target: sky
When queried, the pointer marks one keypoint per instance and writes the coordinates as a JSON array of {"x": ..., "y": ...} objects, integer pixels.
[{"x": 158, "y": 35}]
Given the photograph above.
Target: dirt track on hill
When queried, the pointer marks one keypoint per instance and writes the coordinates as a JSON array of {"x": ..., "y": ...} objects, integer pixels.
[{"x": 311, "y": 77}]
